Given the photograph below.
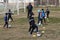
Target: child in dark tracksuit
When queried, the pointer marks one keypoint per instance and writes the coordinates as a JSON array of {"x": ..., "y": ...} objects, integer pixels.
[
  {"x": 6, "y": 20},
  {"x": 29, "y": 8},
  {"x": 31, "y": 14},
  {"x": 47, "y": 12},
  {"x": 32, "y": 25},
  {"x": 10, "y": 15},
  {"x": 39, "y": 17}
]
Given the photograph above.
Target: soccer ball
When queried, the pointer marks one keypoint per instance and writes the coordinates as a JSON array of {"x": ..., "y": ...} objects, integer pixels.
[
  {"x": 9, "y": 20},
  {"x": 34, "y": 35},
  {"x": 9, "y": 26},
  {"x": 40, "y": 23},
  {"x": 43, "y": 27},
  {"x": 43, "y": 31},
  {"x": 45, "y": 17}
]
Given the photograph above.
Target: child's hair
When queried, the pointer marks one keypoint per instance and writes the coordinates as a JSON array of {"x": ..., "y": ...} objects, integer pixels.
[
  {"x": 29, "y": 3},
  {"x": 42, "y": 9},
  {"x": 9, "y": 10},
  {"x": 5, "y": 13}
]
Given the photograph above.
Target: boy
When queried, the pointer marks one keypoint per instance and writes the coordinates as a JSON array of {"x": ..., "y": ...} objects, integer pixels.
[
  {"x": 39, "y": 17},
  {"x": 32, "y": 14},
  {"x": 10, "y": 15},
  {"x": 6, "y": 20},
  {"x": 32, "y": 25},
  {"x": 43, "y": 16},
  {"x": 47, "y": 12},
  {"x": 29, "y": 8}
]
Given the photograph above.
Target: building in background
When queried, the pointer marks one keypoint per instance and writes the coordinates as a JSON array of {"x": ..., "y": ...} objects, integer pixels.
[
  {"x": 19, "y": 4},
  {"x": 20, "y": 1},
  {"x": 14, "y": 5},
  {"x": 47, "y": 2},
  {"x": 34, "y": 2}
]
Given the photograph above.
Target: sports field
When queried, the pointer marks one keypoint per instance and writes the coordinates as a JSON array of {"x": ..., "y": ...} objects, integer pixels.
[{"x": 19, "y": 29}]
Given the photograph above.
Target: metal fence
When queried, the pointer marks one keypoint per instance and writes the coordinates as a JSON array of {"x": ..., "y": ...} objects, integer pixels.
[{"x": 4, "y": 6}]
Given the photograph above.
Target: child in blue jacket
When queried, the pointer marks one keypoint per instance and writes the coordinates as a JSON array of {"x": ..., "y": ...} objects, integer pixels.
[
  {"x": 6, "y": 20},
  {"x": 43, "y": 16},
  {"x": 39, "y": 17}
]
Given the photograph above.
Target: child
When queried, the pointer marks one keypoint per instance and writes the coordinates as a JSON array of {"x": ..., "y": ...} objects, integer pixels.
[
  {"x": 47, "y": 12},
  {"x": 39, "y": 17},
  {"x": 31, "y": 14},
  {"x": 29, "y": 8},
  {"x": 10, "y": 15},
  {"x": 32, "y": 25},
  {"x": 6, "y": 20},
  {"x": 43, "y": 16}
]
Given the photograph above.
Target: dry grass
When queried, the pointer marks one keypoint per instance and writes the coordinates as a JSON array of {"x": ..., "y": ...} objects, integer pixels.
[{"x": 19, "y": 30}]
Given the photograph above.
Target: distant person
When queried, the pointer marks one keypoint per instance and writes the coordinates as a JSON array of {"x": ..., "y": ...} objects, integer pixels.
[
  {"x": 47, "y": 12},
  {"x": 29, "y": 8},
  {"x": 10, "y": 15},
  {"x": 6, "y": 20}
]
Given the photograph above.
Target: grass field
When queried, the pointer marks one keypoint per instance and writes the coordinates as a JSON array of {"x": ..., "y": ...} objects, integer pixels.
[{"x": 19, "y": 29}]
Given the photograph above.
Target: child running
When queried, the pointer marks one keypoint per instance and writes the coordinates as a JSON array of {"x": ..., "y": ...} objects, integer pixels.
[
  {"x": 10, "y": 15},
  {"x": 6, "y": 20},
  {"x": 43, "y": 16},
  {"x": 32, "y": 25},
  {"x": 39, "y": 17},
  {"x": 32, "y": 14}
]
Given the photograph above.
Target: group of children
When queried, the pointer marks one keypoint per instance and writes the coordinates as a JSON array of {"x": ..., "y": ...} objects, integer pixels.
[
  {"x": 30, "y": 17},
  {"x": 7, "y": 17},
  {"x": 42, "y": 15}
]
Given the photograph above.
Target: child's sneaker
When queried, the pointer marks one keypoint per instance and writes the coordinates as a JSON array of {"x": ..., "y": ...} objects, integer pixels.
[
  {"x": 39, "y": 23},
  {"x": 38, "y": 34}
]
